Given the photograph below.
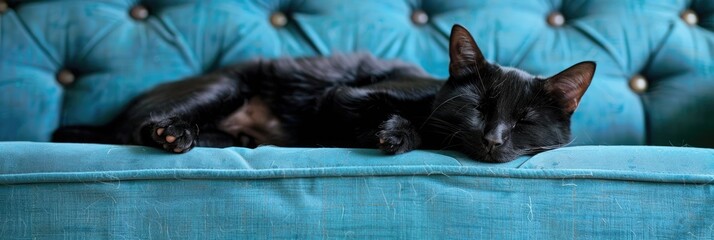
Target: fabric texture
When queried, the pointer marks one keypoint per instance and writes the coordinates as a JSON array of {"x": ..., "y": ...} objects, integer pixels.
[
  {"x": 105, "y": 191},
  {"x": 69, "y": 62}
]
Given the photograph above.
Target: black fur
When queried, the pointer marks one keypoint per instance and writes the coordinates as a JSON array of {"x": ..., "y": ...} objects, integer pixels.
[{"x": 489, "y": 112}]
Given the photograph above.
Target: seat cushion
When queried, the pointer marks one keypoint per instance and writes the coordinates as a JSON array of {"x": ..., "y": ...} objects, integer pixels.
[{"x": 100, "y": 191}]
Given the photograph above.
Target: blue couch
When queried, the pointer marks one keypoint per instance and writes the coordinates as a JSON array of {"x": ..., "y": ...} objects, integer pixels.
[{"x": 639, "y": 166}]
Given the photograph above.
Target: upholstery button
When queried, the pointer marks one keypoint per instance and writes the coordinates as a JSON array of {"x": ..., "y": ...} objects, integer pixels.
[
  {"x": 689, "y": 17},
  {"x": 65, "y": 77},
  {"x": 278, "y": 19},
  {"x": 419, "y": 17},
  {"x": 3, "y": 7},
  {"x": 638, "y": 84},
  {"x": 139, "y": 12},
  {"x": 556, "y": 19}
]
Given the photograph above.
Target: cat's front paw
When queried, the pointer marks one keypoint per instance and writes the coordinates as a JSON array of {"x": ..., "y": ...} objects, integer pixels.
[
  {"x": 397, "y": 136},
  {"x": 175, "y": 135}
]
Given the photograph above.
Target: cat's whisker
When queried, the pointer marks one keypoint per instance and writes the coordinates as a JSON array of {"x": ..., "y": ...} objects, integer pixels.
[
  {"x": 437, "y": 108},
  {"x": 451, "y": 146},
  {"x": 497, "y": 88},
  {"x": 441, "y": 121},
  {"x": 445, "y": 126},
  {"x": 548, "y": 147},
  {"x": 451, "y": 138},
  {"x": 446, "y": 130},
  {"x": 462, "y": 108}
]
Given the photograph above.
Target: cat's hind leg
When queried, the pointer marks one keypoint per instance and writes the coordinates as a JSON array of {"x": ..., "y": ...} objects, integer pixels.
[
  {"x": 169, "y": 115},
  {"x": 175, "y": 135}
]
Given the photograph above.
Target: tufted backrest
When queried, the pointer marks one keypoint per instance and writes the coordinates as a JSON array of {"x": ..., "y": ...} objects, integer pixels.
[{"x": 79, "y": 62}]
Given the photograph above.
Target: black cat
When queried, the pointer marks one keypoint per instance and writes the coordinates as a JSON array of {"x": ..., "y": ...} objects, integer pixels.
[{"x": 489, "y": 112}]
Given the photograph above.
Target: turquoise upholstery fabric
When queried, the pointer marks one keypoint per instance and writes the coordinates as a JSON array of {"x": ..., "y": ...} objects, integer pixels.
[
  {"x": 104, "y": 191},
  {"x": 609, "y": 185}
]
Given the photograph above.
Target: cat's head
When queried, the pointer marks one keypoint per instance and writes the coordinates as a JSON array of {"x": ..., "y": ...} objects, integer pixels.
[{"x": 495, "y": 113}]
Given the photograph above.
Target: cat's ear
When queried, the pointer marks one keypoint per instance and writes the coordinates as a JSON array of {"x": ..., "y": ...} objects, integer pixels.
[
  {"x": 570, "y": 84},
  {"x": 463, "y": 52}
]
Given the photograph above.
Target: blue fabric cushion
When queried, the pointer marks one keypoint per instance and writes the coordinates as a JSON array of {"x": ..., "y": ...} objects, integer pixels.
[{"x": 105, "y": 191}]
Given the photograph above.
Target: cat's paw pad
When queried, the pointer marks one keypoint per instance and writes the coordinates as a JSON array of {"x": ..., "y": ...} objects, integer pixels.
[
  {"x": 175, "y": 135},
  {"x": 392, "y": 142}
]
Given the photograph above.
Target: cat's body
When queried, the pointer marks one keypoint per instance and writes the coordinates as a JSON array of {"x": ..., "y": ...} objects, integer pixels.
[
  {"x": 336, "y": 101},
  {"x": 489, "y": 112}
]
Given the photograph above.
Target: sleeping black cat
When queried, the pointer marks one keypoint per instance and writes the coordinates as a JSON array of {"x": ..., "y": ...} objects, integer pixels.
[{"x": 489, "y": 112}]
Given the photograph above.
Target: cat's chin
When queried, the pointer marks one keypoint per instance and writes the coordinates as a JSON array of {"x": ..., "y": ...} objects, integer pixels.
[
  {"x": 499, "y": 158},
  {"x": 494, "y": 156}
]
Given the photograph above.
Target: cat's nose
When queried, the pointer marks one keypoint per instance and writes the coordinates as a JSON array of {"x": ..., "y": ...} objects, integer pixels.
[
  {"x": 493, "y": 142},
  {"x": 495, "y": 137}
]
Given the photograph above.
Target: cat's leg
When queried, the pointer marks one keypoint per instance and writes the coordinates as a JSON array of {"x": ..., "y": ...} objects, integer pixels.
[
  {"x": 178, "y": 136},
  {"x": 397, "y": 135},
  {"x": 385, "y": 114},
  {"x": 169, "y": 116}
]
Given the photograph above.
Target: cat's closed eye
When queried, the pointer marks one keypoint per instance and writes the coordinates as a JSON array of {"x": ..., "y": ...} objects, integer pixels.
[{"x": 527, "y": 117}]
